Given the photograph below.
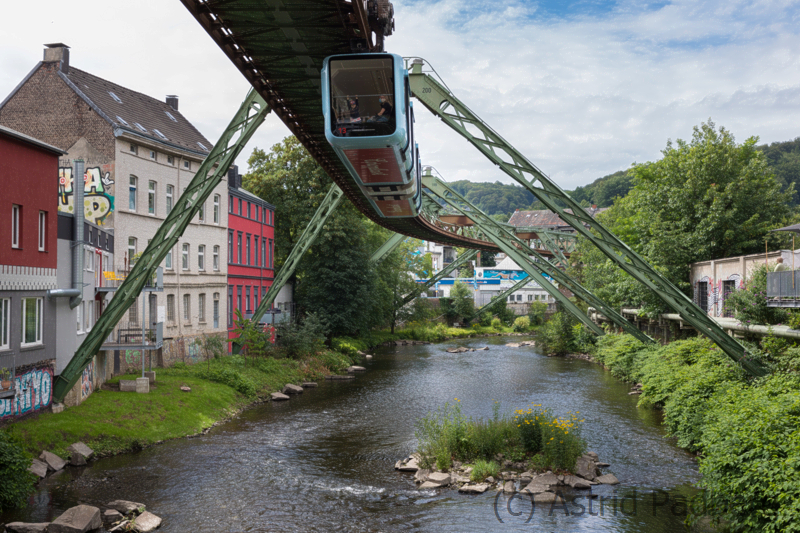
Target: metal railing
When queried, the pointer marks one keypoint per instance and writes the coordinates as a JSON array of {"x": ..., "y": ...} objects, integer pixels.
[
  {"x": 783, "y": 289},
  {"x": 130, "y": 334}
]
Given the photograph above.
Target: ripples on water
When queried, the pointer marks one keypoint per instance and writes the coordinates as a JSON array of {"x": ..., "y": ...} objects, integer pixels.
[{"x": 324, "y": 460}]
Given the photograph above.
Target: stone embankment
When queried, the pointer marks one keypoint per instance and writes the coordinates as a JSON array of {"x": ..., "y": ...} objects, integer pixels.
[
  {"x": 50, "y": 462},
  {"x": 119, "y": 515},
  {"x": 542, "y": 487}
]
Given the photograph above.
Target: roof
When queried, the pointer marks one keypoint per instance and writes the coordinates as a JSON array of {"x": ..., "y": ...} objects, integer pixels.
[
  {"x": 506, "y": 264},
  {"x": 250, "y": 196},
  {"x": 794, "y": 227},
  {"x": 131, "y": 109},
  {"x": 545, "y": 217},
  {"x": 31, "y": 140}
]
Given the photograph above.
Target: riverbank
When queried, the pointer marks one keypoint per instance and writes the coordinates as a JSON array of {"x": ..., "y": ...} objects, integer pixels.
[
  {"x": 745, "y": 431},
  {"x": 112, "y": 422}
]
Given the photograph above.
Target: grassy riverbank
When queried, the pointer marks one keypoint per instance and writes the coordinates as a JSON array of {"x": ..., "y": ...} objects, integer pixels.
[
  {"x": 746, "y": 431},
  {"x": 112, "y": 422}
]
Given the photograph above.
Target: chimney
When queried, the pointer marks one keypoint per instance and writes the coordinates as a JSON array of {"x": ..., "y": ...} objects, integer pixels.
[
  {"x": 234, "y": 178},
  {"x": 57, "y": 52},
  {"x": 172, "y": 101}
]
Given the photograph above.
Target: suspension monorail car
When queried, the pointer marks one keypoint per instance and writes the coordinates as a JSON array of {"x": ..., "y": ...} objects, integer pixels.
[{"x": 369, "y": 121}]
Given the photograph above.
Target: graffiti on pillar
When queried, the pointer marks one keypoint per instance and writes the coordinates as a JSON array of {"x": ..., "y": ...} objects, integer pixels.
[
  {"x": 133, "y": 357},
  {"x": 98, "y": 202},
  {"x": 34, "y": 392},
  {"x": 87, "y": 380}
]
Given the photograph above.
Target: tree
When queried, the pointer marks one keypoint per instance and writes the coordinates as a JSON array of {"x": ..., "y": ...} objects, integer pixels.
[
  {"x": 396, "y": 281},
  {"x": 463, "y": 300},
  {"x": 705, "y": 199}
]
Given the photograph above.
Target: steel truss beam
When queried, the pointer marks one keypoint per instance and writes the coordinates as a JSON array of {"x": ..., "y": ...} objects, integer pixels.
[
  {"x": 442, "y": 103},
  {"x": 310, "y": 234},
  {"x": 514, "y": 251},
  {"x": 387, "y": 247},
  {"x": 248, "y": 118},
  {"x": 440, "y": 275},
  {"x": 497, "y": 231},
  {"x": 505, "y": 294}
]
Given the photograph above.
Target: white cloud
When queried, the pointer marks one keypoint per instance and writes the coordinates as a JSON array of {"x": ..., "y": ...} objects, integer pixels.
[{"x": 581, "y": 96}]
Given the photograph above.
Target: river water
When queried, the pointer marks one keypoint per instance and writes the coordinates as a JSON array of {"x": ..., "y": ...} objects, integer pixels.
[{"x": 324, "y": 460}]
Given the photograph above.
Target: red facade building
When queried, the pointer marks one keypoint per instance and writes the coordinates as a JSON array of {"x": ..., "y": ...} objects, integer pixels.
[{"x": 251, "y": 241}]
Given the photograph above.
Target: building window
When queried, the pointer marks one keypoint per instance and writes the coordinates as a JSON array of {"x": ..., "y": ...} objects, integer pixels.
[
  {"x": 230, "y": 247},
  {"x": 239, "y": 247},
  {"x": 88, "y": 259},
  {"x": 151, "y": 197},
  {"x": 42, "y": 230},
  {"x": 88, "y": 308},
  {"x": 255, "y": 251},
  {"x": 133, "y": 313},
  {"x": 168, "y": 260},
  {"x": 201, "y": 257},
  {"x": 230, "y": 306},
  {"x": 215, "y": 258},
  {"x": 171, "y": 308},
  {"x": 216, "y": 310},
  {"x": 702, "y": 295},
  {"x": 239, "y": 298},
  {"x": 248, "y": 209},
  {"x": 132, "y": 194},
  {"x": 134, "y": 149},
  {"x": 247, "y": 299},
  {"x": 263, "y": 253},
  {"x": 170, "y": 160},
  {"x": 728, "y": 287},
  {"x": 187, "y": 315},
  {"x": 131, "y": 250},
  {"x": 201, "y": 308},
  {"x": 170, "y": 194},
  {"x": 31, "y": 321},
  {"x": 240, "y": 207},
  {"x": 519, "y": 297},
  {"x": 201, "y": 214},
  {"x": 216, "y": 209},
  {"x": 5, "y": 323},
  {"x": 15, "y": 225},
  {"x": 185, "y": 257},
  {"x": 230, "y": 204},
  {"x": 187, "y": 165},
  {"x": 79, "y": 313},
  {"x": 153, "y": 155},
  {"x": 248, "y": 248},
  {"x": 270, "y": 253}
]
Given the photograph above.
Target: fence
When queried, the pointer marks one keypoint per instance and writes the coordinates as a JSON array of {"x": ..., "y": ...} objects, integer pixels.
[{"x": 783, "y": 289}]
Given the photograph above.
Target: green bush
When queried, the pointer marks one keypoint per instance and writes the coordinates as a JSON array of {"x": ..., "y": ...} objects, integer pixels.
[
  {"x": 497, "y": 324},
  {"x": 556, "y": 336},
  {"x": 302, "y": 340},
  {"x": 529, "y": 424},
  {"x": 442, "y": 436},
  {"x": 483, "y": 469},
  {"x": 229, "y": 377},
  {"x": 485, "y": 319},
  {"x": 749, "y": 305},
  {"x": 561, "y": 441},
  {"x": 522, "y": 323},
  {"x": 536, "y": 313},
  {"x": 17, "y": 482},
  {"x": 752, "y": 455}
]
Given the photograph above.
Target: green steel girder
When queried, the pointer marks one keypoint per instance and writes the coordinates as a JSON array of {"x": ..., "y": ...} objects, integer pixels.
[
  {"x": 248, "y": 118},
  {"x": 387, "y": 247},
  {"x": 310, "y": 234},
  {"x": 498, "y": 231},
  {"x": 552, "y": 245},
  {"x": 440, "y": 275},
  {"x": 513, "y": 250},
  {"x": 441, "y": 102},
  {"x": 505, "y": 294}
]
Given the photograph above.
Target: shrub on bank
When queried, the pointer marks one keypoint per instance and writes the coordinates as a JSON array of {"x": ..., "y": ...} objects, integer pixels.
[
  {"x": 17, "y": 482},
  {"x": 483, "y": 469},
  {"x": 522, "y": 324}
]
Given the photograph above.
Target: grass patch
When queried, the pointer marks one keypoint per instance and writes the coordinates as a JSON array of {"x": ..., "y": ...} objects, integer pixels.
[
  {"x": 112, "y": 422},
  {"x": 534, "y": 435}
]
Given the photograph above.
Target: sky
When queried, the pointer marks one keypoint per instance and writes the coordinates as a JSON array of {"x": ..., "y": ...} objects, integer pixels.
[{"x": 582, "y": 88}]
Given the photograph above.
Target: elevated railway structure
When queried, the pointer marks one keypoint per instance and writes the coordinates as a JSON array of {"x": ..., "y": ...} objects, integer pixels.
[{"x": 279, "y": 46}]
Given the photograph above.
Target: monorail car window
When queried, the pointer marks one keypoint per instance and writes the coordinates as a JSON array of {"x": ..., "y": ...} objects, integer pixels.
[{"x": 362, "y": 97}]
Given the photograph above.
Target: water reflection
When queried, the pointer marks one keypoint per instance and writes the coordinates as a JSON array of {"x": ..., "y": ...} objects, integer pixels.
[{"x": 324, "y": 461}]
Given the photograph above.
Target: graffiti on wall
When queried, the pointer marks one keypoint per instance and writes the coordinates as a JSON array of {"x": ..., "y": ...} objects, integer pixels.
[
  {"x": 34, "y": 392},
  {"x": 133, "y": 357},
  {"x": 514, "y": 275},
  {"x": 87, "y": 380},
  {"x": 97, "y": 201}
]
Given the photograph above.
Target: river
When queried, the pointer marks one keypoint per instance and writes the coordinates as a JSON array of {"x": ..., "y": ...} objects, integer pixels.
[{"x": 324, "y": 460}]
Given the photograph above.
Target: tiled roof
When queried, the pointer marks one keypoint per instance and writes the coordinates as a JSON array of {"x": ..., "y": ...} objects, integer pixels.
[
  {"x": 131, "y": 109},
  {"x": 546, "y": 218}
]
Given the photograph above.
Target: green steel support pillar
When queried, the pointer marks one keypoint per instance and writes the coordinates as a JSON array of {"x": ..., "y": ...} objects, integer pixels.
[
  {"x": 248, "y": 118},
  {"x": 551, "y": 245},
  {"x": 387, "y": 247},
  {"x": 440, "y": 275},
  {"x": 505, "y": 294},
  {"x": 310, "y": 234},
  {"x": 500, "y": 234},
  {"x": 435, "y": 96}
]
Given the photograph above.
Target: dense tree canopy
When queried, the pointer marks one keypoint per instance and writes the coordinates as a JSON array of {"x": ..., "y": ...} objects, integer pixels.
[{"x": 706, "y": 198}]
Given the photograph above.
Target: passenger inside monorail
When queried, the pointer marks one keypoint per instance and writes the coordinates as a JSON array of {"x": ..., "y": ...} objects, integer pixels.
[{"x": 362, "y": 96}]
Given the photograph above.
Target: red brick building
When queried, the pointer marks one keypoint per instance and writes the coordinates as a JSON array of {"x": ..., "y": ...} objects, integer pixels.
[{"x": 251, "y": 245}]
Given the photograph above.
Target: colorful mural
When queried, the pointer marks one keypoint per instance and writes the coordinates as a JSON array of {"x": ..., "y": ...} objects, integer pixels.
[
  {"x": 504, "y": 274},
  {"x": 98, "y": 202},
  {"x": 87, "y": 381},
  {"x": 34, "y": 392}
]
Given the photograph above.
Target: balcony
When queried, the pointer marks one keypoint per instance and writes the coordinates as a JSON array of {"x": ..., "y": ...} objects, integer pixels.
[
  {"x": 130, "y": 336},
  {"x": 783, "y": 289},
  {"x": 111, "y": 280}
]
